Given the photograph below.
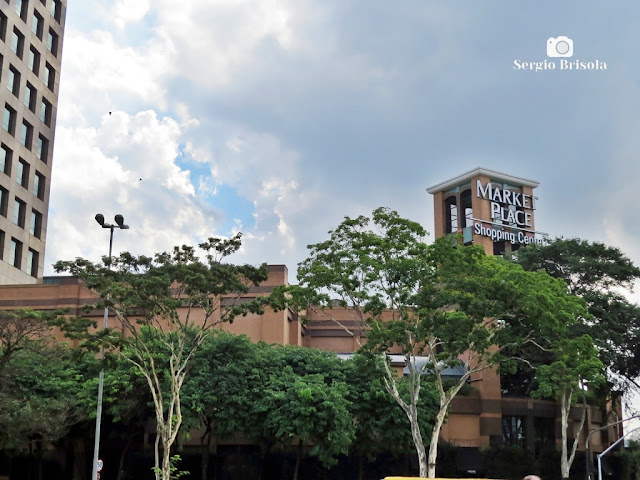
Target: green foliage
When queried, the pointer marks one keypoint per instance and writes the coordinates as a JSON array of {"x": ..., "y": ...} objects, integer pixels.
[
  {"x": 39, "y": 395},
  {"x": 298, "y": 393},
  {"x": 443, "y": 300},
  {"x": 601, "y": 275},
  {"x": 175, "y": 472},
  {"x": 575, "y": 360},
  {"x": 381, "y": 427},
  {"x": 509, "y": 462},
  {"x": 167, "y": 305},
  {"x": 311, "y": 410}
]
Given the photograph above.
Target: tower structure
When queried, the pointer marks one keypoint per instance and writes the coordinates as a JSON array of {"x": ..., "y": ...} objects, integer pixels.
[
  {"x": 488, "y": 208},
  {"x": 31, "y": 33}
]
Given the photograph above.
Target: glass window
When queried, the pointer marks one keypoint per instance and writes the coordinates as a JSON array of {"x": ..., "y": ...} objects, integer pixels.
[
  {"x": 45, "y": 112},
  {"x": 32, "y": 263},
  {"x": 513, "y": 430},
  {"x": 22, "y": 6},
  {"x": 52, "y": 42},
  {"x": 1, "y": 244},
  {"x": 30, "y": 97},
  {"x": 42, "y": 148},
  {"x": 17, "y": 42},
  {"x": 4, "y": 200},
  {"x": 56, "y": 10},
  {"x": 38, "y": 185},
  {"x": 35, "y": 224},
  {"x": 34, "y": 60},
  {"x": 18, "y": 212},
  {"x": 49, "y": 76},
  {"x": 37, "y": 24},
  {"x": 13, "y": 81},
  {"x": 15, "y": 253},
  {"x": 22, "y": 173},
  {"x": 5, "y": 159},
  {"x": 3, "y": 26},
  {"x": 9, "y": 120},
  {"x": 26, "y": 134},
  {"x": 19, "y": 208}
]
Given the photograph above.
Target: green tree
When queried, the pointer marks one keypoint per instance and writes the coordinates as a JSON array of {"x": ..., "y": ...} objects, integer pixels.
[
  {"x": 215, "y": 393},
  {"x": 39, "y": 402},
  {"x": 174, "y": 300},
  {"x": 307, "y": 409},
  {"x": 297, "y": 394},
  {"x": 381, "y": 427},
  {"x": 602, "y": 276},
  {"x": 575, "y": 366},
  {"x": 440, "y": 301}
]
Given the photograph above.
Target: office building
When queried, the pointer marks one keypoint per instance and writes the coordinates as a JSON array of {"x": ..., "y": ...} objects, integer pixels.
[{"x": 31, "y": 33}]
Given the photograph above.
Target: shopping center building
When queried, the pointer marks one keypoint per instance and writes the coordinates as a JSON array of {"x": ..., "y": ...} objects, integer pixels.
[{"x": 487, "y": 208}]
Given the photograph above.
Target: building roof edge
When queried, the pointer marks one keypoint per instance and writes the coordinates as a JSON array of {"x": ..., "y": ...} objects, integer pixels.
[{"x": 482, "y": 171}]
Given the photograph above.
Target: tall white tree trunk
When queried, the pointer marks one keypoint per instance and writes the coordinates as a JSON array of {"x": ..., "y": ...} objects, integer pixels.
[{"x": 433, "y": 447}]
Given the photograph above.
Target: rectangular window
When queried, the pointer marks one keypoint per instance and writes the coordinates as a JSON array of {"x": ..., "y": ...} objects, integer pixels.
[
  {"x": 32, "y": 263},
  {"x": 56, "y": 10},
  {"x": 45, "y": 112},
  {"x": 34, "y": 60},
  {"x": 35, "y": 224},
  {"x": 513, "y": 430},
  {"x": 52, "y": 42},
  {"x": 37, "y": 24},
  {"x": 4, "y": 200},
  {"x": 9, "y": 120},
  {"x": 42, "y": 148},
  {"x": 19, "y": 210},
  {"x": 3, "y": 27},
  {"x": 5, "y": 159},
  {"x": 30, "y": 97},
  {"x": 38, "y": 185},
  {"x": 26, "y": 134},
  {"x": 1, "y": 244},
  {"x": 15, "y": 253},
  {"x": 22, "y": 6},
  {"x": 22, "y": 173},
  {"x": 49, "y": 76},
  {"x": 13, "y": 81},
  {"x": 17, "y": 42}
]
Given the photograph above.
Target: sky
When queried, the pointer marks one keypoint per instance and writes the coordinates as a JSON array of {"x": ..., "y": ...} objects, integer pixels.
[{"x": 278, "y": 118}]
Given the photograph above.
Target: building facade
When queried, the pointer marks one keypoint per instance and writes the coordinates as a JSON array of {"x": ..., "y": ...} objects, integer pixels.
[
  {"x": 31, "y": 37},
  {"x": 486, "y": 208}
]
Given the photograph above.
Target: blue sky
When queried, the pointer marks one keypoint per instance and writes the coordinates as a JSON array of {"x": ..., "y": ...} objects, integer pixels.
[{"x": 278, "y": 117}]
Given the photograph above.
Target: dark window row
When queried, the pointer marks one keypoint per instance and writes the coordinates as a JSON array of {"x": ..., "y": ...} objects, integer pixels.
[
  {"x": 26, "y": 129},
  {"x": 22, "y": 170},
  {"x": 15, "y": 255}
]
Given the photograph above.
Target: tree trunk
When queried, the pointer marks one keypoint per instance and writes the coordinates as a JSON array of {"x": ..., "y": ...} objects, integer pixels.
[
  {"x": 417, "y": 440},
  {"x": 360, "y": 467},
  {"x": 433, "y": 445},
  {"x": 205, "y": 449},
  {"x": 565, "y": 405},
  {"x": 166, "y": 460},
  {"x": 298, "y": 457}
]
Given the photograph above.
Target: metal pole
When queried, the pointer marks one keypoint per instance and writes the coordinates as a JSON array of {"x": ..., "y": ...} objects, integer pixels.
[
  {"x": 591, "y": 432},
  {"x": 600, "y": 455},
  {"x": 96, "y": 442}
]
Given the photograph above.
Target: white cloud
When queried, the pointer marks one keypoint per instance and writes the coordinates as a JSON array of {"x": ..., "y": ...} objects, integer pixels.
[
  {"x": 129, "y": 11},
  {"x": 100, "y": 75},
  {"x": 126, "y": 165}
]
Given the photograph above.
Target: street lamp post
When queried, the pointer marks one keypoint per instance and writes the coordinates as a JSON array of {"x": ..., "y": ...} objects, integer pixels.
[{"x": 119, "y": 219}]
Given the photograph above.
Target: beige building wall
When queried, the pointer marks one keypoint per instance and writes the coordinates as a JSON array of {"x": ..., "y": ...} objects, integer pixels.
[{"x": 31, "y": 39}]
